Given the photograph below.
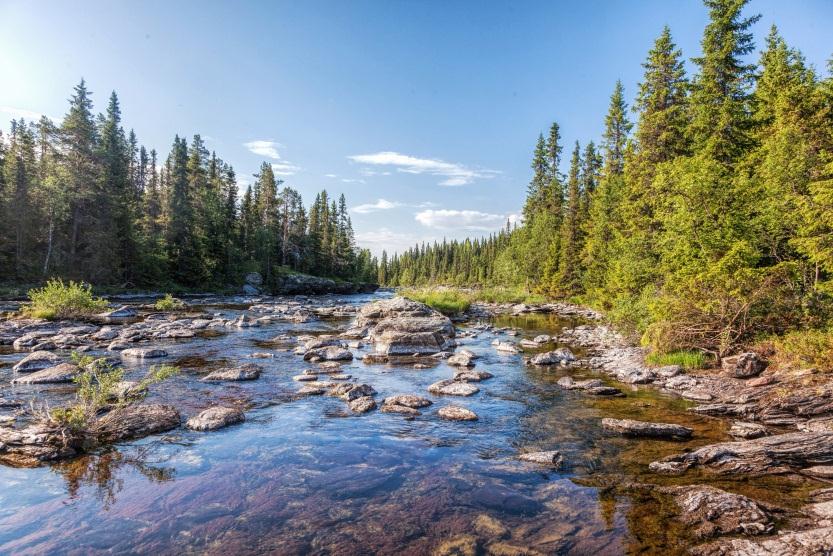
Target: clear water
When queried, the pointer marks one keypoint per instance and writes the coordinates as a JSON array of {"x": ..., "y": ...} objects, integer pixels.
[{"x": 306, "y": 476}]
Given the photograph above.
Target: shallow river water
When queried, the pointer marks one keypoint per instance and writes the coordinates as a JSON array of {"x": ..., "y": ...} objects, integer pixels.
[{"x": 306, "y": 476}]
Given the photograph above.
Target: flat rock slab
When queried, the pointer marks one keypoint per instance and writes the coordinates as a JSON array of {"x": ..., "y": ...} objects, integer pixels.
[
  {"x": 37, "y": 443},
  {"x": 63, "y": 372},
  {"x": 460, "y": 360},
  {"x": 568, "y": 383},
  {"x": 711, "y": 512},
  {"x": 331, "y": 353},
  {"x": 812, "y": 542},
  {"x": 408, "y": 400},
  {"x": 644, "y": 429},
  {"x": 453, "y": 388},
  {"x": 456, "y": 413},
  {"x": 552, "y": 458},
  {"x": 747, "y": 431},
  {"x": 363, "y": 404},
  {"x": 215, "y": 418},
  {"x": 143, "y": 353},
  {"x": 135, "y": 421},
  {"x": 782, "y": 453},
  {"x": 36, "y": 361},
  {"x": 605, "y": 391},
  {"x": 249, "y": 371},
  {"x": 469, "y": 375},
  {"x": 823, "y": 471}
]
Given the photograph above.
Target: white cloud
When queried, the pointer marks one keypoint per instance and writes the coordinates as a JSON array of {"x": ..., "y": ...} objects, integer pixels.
[
  {"x": 381, "y": 204},
  {"x": 330, "y": 175},
  {"x": 385, "y": 239},
  {"x": 454, "y": 174},
  {"x": 352, "y": 180},
  {"x": 267, "y": 148},
  {"x": 17, "y": 113},
  {"x": 285, "y": 169},
  {"x": 473, "y": 220}
]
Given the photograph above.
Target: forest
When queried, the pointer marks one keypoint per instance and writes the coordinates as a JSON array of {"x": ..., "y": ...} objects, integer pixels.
[
  {"x": 84, "y": 200},
  {"x": 703, "y": 218}
]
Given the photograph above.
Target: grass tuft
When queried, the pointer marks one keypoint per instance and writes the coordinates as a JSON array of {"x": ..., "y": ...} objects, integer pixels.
[
  {"x": 683, "y": 358},
  {"x": 169, "y": 303}
]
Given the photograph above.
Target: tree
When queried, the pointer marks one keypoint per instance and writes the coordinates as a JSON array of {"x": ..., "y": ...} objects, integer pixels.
[{"x": 569, "y": 268}]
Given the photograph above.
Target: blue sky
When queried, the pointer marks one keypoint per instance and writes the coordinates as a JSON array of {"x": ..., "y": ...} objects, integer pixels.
[{"x": 423, "y": 113}]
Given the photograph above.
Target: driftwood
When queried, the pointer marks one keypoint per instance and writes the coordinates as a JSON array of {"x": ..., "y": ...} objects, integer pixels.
[{"x": 781, "y": 453}]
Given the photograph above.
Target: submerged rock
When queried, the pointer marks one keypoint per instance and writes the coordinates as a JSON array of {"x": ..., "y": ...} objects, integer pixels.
[
  {"x": 551, "y": 457},
  {"x": 456, "y": 413},
  {"x": 768, "y": 455},
  {"x": 711, "y": 512},
  {"x": 568, "y": 383},
  {"x": 215, "y": 418},
  {"x": 453, "y": 388},
  {"x": 644, "y": 429},
  {"x": 248, "y": 371},
  {"x": 36, "y": 361},
  {"x": 63, "y": 372}
]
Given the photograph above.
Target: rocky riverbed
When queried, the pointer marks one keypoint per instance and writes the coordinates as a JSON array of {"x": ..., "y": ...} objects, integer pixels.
[{"x": 365, "y": 424}]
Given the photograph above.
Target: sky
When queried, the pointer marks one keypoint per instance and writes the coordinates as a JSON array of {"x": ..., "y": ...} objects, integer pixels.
[{"x": 423, "y": 113}]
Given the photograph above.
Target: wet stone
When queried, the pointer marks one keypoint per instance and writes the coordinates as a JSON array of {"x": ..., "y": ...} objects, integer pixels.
[
  {"x": 143, "y": 353},
  {"x": 249, "y": 371},
  {"x": 36, "y": 361},
  {"x": 456, "y": 413},
  {"x": 453, "y": 388},
  {"x": 551, "y": 457},
  {"x": 400, "y": 409},
  {"x": 215, "y": 418},
  {"x": 363, "y": 404},
  {"x": 644, "y": 429},
  {"x": 472, "y": 376},
  {"x": 63, "y": 372},
  {"x": 408, "y": 400}
]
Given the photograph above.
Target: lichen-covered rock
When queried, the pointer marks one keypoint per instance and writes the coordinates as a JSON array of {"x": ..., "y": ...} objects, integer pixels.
[
  {"x": 644, "y": 429},
  {"x": 363, "y": 404},
  {"x": 36, "y": 443},
  {"x": 135, "y": 421},
  {"x": 453, "y": 388},
  {"x": 456, "y": 413},
  {"x": 36, "y": 361},
  {"x": 248, "y": 371},
  {"x": 812, "y": 542},
  {"x": 711, "y": 512},
  {"x": 215, "y": 418},
  {"x": 350, "y": 392},
  {"x": 62, "y": 372},
  {"x": 408, "y": 400}
]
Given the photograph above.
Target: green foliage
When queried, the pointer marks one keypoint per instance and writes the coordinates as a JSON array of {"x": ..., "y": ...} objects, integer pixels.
[
  {"x": 169, "y": 303},
  {"x": 59, "y": 300},
  {"x": 685, "y": 359},
  {"x": 506, "y": 295},
  {"x": 805, "y": 348},
  {"x": 446, "y": 301}
]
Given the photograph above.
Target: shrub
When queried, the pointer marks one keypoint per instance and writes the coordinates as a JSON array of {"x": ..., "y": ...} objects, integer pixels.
[
  {"x": 169, "y": 303},
  {"x": 97, "y": 389},
  {"x": 685, "y": 359},
  {"x": 507, "y": 295},
  {"x": 446, "y": 301},
  {"x": 805, "y": 348},
  {"x": 57, "y": 300}
]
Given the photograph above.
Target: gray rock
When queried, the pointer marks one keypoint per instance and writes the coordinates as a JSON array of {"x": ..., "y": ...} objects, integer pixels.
[
  {"x": 745, "y": 365},
  {"x": 747, "y": 431},
  {"x": 121, "y": 314},
  {"x": 568, "y": 383},
  {"x": 407, "y": 400},
  {"x": 453, "y": 388},
  {"x": 711, "y": 512},
  {"x": 135, "y": 421},
  {"x": 557, "y": 357},
  {"x": 143, "y": 353},
  {"x": 552, "y": 458},
  {"x": 399, "y": 409},
  {"x": 331, "y": 353},
  {"x": 605, "y": 391},
  {"x": 469, "y": 375},
  {"x": 254, "y": 279},
  {"x": 350, "y": 392},
  {"x": 63, "y": 372},
  {"x": 460, "y": 360},
  {"x": 36, "y": 361},
  {"x": 215, "y": 418},
  {"x": 248, "y": 371},
  {"x": 31, "y": 339},
  {"x": 456, "y": 413},
  {"x": 506, "y": 347},
  {"x": 363, "y": 404},
  {"x": 644, "y": 429}
]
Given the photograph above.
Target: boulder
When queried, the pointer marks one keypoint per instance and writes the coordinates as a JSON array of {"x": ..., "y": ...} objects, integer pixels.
[
  {"x": 568, "y": 383},
  {"x": 143, "y": 353},
  {"x": 363, "y": 404},
  {"x": 36, "y": 361},
  {"x": 122, "y": 314},
  {"x": 400, "y": 326},
  {"x": 254, "y": 279},
  {"x": 215, "y": 418},
  {"x": 780, "y": 453},
  {"x": 709, "y": 512},
  {"x": 747, "y": 431},
  {"x": 36, "y": 443},
  {"x": 399, "y": 409},
  {"x": 350, "y": 392},
  {"x": 469, "y": 375},
  {"x": 407, "y": 400},
  {"x": 506, "y": 347},
  {"x": 248, "y": 371},
  {"x": 810, "y": 542},
  {"x": 135, "y": 421},
  {"x": 31, "y": 339},
  {"x": 62, "y": 372},
  {"x": 551, "y": 458},
  {"x": 560, "y": 356},
  {"x": 745, "y": 365},
  {"x": 460, "y": 360},
  {"x": 331, "y": 353},
  {"x": 453, "y": 388},
  {"x": 644, "y": 429},
  {"x": 456, "y": 413}
]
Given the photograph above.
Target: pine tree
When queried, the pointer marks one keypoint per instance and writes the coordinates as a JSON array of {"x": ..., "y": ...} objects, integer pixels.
[{"x": 569, "y": 268}]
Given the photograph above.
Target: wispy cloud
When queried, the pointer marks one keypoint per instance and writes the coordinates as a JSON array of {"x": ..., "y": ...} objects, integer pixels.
[
  {"x": 387, "y": 239},
  {"x": 267, "y": 148},
  {"x": 352, "y": 180},
  {"x": 16, "y": 113},
  {"x": 454, "y": 174},
  {"x": 285, "y": 168},
  {"x": 332, "y": 176},
  {"x": 381, "y": 204},
  {"x": 472, "y": 220}
]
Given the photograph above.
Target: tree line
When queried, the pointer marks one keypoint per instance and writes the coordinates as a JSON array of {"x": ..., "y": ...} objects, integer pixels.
[
  {"x": 83, "y": 200},
  {"x": 705, "y": 221}
]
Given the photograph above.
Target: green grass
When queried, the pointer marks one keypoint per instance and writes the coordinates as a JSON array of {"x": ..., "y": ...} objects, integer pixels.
[
  {"x": 59, "y": 300},
  {"x": 506, "y": 295},
  {"x": 169, "y": 303},
  {"x": 685, "y": 359},
  {"x": 448, "y": 302}
]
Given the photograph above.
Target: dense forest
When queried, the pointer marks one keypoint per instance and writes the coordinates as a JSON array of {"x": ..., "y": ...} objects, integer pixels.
[
  {"x": 83, "y": 200},
  {"x": 704, "y": 222}
]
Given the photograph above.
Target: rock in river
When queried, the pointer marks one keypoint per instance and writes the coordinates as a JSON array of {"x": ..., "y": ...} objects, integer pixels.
[
  {"x": 456, "y": 413},
  {"x": 408, "y": 400},
  {"x": 135, "y": 421},
  {"x": 710, "y": 512},
  {"x": 403, "y": 327},
  {"x": 461, "y": 360},
  {"x": 249, "y": 371},
  {"x": 747, "y": 431},
  {"x": 400, "y": 409},
  {"x": 630, "y": 427},
  {"x": 551, "y": 457},
  {"x": 36, "y": 361},
  {"x": 363, "y": 404},
  {"x": 330, "y": 353},
  {"x": 143, "y": 353},
  {"x": 121, "y": 314},
  {"x": 560, "y": 356},
  {"x": 453, "y": 388},
  {"x": 215, "y": 418},
  {"x": 63, "y": 372}
]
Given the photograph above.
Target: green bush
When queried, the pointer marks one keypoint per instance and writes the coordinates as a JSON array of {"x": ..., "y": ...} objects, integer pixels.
[
  {"x": 169, "y": 303},
  {"x": 683, "y": 358},
  {"x": 446, "y": 301},
  {"x": 507, "y": 295},
  {"x": 805, "y": 348},
  {"x": 57, "y": 300}
]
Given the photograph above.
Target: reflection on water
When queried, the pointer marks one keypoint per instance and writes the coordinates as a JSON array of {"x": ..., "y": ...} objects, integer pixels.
[{"x": 305, "y": 476}]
